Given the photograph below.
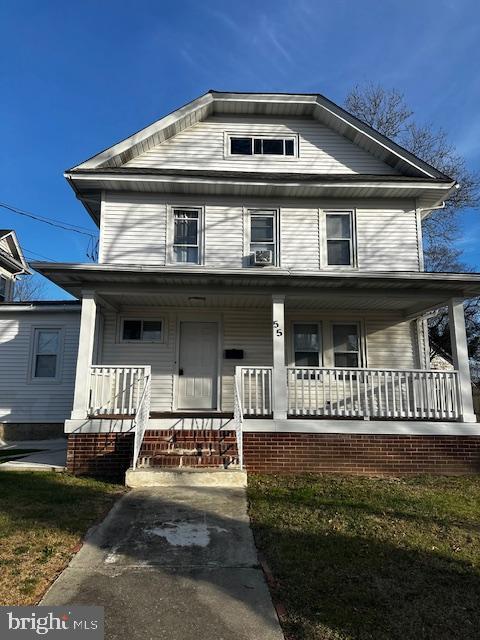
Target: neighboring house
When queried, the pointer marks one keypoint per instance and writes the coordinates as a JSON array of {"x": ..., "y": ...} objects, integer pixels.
[
  {"x": 259, "y": 297},
  {"x": 38, "y": 353},
  {"x": 12, "y": 264}
]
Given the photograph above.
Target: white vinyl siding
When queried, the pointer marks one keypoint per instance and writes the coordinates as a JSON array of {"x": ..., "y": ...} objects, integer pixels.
[
  {"x": 320, "y": 150},
  {"x": 24, "y": 400},
  {"x": 133, "y": 231},
  {"x": 387, "y": 239}
]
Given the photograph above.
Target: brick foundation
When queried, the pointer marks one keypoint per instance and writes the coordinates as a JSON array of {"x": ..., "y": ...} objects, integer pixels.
[
  {"x": 360, "y": 454},
  {"x": 100, "y": 455},
  {"x": 109, "y": 455}
]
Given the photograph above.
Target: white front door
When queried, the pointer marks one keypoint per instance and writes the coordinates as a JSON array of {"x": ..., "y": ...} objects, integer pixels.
[{"x": 197, "y": 373}]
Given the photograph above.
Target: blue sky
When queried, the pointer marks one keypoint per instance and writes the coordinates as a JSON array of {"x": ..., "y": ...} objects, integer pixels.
[{"x": 77, "y": 77}]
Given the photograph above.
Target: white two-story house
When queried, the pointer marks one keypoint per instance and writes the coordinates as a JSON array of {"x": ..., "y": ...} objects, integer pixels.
[{"x": 259, "y": 298}]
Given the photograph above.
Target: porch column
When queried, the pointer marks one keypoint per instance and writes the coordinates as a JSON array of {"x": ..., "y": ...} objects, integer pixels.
[
  {"x": 85, "y": 354},
  {"x": 458, "y": 340},
  {"x": 279, "y": 374}
]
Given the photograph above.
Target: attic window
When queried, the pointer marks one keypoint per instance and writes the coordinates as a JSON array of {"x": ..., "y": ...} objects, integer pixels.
[{"x": 262, "y": 146}]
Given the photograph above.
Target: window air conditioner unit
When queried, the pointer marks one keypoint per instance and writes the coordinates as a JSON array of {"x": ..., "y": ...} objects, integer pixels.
[{"x": 263, "y": 257}]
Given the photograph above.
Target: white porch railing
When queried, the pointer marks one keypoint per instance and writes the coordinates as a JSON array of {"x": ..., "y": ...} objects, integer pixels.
[
  {"x": 117, "y": 390},
  {"x": 255, "y": 388},
  {"x": 352, "y": 393},
  {"x": 375, "y": 393}
]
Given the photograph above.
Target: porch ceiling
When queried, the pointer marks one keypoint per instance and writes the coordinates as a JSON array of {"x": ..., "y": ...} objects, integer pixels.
[{"x": 409, "y": 292}]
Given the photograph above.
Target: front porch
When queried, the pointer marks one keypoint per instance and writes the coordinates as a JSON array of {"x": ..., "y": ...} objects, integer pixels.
[{"x": 328, "y": 354}]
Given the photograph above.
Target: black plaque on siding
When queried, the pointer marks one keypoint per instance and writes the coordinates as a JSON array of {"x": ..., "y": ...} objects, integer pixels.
[{"x": 233, "y": 354}]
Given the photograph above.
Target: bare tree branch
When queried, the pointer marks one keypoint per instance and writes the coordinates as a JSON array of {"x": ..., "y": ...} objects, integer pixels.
[
  {"x": 386, "y": 111},
  {"x": 28, "y": 288}
]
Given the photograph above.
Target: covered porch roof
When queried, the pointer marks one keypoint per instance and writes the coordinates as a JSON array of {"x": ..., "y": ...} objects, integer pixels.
[{"x": 410, "y": 293}]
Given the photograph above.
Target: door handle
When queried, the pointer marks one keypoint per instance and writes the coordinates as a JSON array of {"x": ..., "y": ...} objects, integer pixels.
[{"x": 180, "y": 372}]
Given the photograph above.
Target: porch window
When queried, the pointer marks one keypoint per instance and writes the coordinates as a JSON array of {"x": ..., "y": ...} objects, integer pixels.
[
  {"x": 307, "y": 345},
  {"x": 263, "y": 232},
  {"x": 186, "y": 224},
  {"x": 142, "y": 330},
  {"x": 46, "y": 350},
  {"x": 339, "y": 238},
  {"x": 346, "y": 345},
  {"x": 3, "y": 289}
]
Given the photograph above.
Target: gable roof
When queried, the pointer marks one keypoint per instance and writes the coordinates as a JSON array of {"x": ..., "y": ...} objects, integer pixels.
[
  {"x": 315, "y": 106},
  {"x": 13, "y": 260}
]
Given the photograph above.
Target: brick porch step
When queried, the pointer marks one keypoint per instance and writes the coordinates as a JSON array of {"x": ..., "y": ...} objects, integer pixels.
[{"x": 194, "y": 448}]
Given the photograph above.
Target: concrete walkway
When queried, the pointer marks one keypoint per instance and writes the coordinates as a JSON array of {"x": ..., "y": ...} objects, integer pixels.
[
  {"x": 173, "y": 563},
  {"x": 52, "y": 455}
]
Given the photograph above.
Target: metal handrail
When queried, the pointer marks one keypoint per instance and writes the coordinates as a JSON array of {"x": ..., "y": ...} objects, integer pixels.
[
  {"x": 141, "y": 419},
  {"x": 238, "y": 416}
]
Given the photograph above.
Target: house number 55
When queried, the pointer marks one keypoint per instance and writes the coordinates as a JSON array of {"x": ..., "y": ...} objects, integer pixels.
[{"x": 278, "y": 331}]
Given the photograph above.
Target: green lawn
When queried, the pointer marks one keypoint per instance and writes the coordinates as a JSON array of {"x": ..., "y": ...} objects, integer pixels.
[
  {"x": 43, "y": 518},
  {"x": 362, "y": 558}
]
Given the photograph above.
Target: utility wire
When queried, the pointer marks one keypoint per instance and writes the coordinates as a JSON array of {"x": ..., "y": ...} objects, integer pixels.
[
  {"x": 66, "y": 226},
  {"x": 39, "y": 255}
]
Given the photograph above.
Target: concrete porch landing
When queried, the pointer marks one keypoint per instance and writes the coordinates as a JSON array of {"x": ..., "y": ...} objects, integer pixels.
[
  {"x": 187, "y": 477},
  {"x": 176, "y": 563}
]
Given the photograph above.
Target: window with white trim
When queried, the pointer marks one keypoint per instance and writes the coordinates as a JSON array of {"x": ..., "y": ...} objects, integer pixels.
[
  {"x": 3, "y": 289},
  {"x": 346, "y": 345},
  {"x": 46, "y": 353},
  {"x": 339, "y": 229},
  {"x": 307, "y": 344},
  {"x": 263, "y": 232},
  {"x": 262, "y": 146},
  {"x": 134, "y": 330},
  {"x": 186, "y": 236}
]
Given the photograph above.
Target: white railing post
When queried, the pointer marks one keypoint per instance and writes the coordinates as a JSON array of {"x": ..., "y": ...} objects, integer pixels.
[
  {"x": 238, "y": 412},
  {"x": 279, "y": 374},
  {"x": 458, "y": 338},
  {"x": 84, "y": 358}
]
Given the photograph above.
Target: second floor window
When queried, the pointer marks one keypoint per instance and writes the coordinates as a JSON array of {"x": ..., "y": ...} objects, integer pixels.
[
  {"x": 339, "y": 238},
  {"x": 263, "y": 232},
  {"x": 186, "y": 234}
]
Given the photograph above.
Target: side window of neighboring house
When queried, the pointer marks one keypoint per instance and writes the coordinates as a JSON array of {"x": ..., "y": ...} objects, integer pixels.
[
  {"x": 141, "y": 330},
  {"x": 307, "y": 344},
  {"x": 186, "y": 236},
  {"x": 340, "y": 241},
  {"x": 346, "y": 345},
  {"x": 263, "y": 235},
  {"x": 3, "y": 289},
  {"x": 46, "y": 354}
]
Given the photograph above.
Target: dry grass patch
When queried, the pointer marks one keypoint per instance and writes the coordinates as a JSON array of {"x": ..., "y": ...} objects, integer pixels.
[
  {"x": 363, "y": 558},
  {"x": 43, "y": 518}
]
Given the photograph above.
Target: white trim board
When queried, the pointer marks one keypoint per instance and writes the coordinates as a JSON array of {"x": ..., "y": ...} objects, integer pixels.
[
  {"x": 362, "y": 427},
  {"x": 353, "y": 427}
]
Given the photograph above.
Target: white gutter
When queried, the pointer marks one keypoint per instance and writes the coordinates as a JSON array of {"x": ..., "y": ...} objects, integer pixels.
[{"x": 39, "y": 308}]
